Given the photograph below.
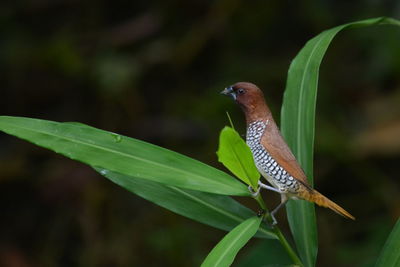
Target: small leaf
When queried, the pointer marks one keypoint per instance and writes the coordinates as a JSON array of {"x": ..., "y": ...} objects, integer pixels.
[
  {"x": 236, "y": 156},
  {"x": 225, "y": 251},
  {"x": 123, "y": 155},
  {"x": 390, "y": 254},
  {"x": 218, "y": 211}
]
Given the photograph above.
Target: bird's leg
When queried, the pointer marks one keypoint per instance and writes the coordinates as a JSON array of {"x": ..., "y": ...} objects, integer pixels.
[
  {"x": 269, "y": 187},
  {"x": 261, "y": 185},
  {"x": 254, "y": 193},
  {"x": 284, "y": 199}
]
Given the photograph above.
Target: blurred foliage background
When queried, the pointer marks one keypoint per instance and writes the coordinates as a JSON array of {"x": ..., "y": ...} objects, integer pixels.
[{"x": 153, "y": 70}]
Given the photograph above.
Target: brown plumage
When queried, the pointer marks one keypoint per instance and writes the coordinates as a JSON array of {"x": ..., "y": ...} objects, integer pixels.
[{"x": 272, "y": 156}]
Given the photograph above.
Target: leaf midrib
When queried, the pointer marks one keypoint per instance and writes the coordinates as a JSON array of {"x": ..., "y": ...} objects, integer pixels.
[
  {"x": 300, "y": 113},
  {"x": 113, "y": 151},
  {"x": 240, "y": 162},
  {"x": 234, "y": 242},
  {"x": 300, "y": 135}
]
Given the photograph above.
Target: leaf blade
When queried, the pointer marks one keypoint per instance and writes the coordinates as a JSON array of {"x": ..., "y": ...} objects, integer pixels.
[
  {"x": 298, "y": 127},
  {"x": 225, "y": 251},
  {"x": 219, "y": 211},
  {"x": 390, "y": 254},
  {"x": 236, "y": 156},
  {"x": 122, "y": 154}
]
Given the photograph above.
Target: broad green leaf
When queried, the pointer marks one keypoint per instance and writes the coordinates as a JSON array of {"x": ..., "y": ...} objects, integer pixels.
[
  {"x": 235, "y": 155},
  {"x": 219, "y": 211},
  {"x": 225, "y": 251},
  {"x": 390, "y": 254},
  {"x": 123, "y": 155},
  {"x": 298, "y": 127}
]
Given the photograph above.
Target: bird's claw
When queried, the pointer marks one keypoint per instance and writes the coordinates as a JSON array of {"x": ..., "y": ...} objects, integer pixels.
[
  {"x": 274, "y": 221},
  {"x": 270, "y": 220},
  {"x": 254, "y": 193}
]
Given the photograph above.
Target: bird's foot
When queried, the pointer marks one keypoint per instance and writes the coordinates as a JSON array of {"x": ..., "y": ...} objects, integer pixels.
[
  {"x": 284, "y": 199},
  {"x": 274, "y": 221},
  {"x": 254, "y": 193},
  {"x": 270, "y": 220}
]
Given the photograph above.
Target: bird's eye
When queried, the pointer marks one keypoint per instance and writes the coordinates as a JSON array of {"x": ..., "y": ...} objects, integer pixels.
[{"x": 240, "y": 91}]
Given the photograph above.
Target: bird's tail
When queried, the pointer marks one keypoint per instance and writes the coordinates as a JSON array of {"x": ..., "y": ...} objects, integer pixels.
[{"x": 319, "y": 199}]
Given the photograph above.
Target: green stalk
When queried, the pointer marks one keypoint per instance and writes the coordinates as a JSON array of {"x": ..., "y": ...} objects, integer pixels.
[
  {"x": 261, "y": 202},
  {"x": 292, "y": 254}
]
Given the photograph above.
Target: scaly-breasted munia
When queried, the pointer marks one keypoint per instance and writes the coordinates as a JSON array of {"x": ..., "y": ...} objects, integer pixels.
[{"x": 272, "y": 156}]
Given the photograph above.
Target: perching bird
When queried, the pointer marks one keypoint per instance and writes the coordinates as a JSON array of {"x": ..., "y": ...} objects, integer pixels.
[{"x": 272, "y": 156}]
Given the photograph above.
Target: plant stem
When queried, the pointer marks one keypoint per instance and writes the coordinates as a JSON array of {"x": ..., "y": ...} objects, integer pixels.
[
  {"x": 261, "y": 202},
  {"x": 230, "y": 120},
  {"x": 292, "y": 254}
]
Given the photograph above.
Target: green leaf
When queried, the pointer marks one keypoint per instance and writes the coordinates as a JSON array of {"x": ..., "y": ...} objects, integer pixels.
[
  {"x": 298, "y": 127},
  {"x": 390, "y": 254},
  {"x": 225, "y": 251},
  {"x": 236, "y": 156},
  {"x": 123, "y": 155},
  {"x": 266, "y": 253},
  {"x": 218, "y": 211}
]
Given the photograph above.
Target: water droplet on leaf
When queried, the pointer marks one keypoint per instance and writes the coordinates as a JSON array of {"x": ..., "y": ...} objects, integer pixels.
[
  {"x": 117, "y": 138},
  {"x": 104, "y": 172}
]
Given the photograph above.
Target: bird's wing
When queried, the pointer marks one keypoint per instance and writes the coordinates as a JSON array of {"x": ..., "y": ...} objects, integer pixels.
[{"x": 276, "y": 146}]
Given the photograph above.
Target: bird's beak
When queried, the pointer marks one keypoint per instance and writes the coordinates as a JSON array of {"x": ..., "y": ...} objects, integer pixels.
[{"x": 228, "y": 91}]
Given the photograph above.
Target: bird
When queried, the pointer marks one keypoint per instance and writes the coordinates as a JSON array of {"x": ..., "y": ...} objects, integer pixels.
[{"x": 272, "y": 156}]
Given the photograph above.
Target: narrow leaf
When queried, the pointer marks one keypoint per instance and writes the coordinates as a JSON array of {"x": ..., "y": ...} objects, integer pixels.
[
  {"x": 236, "y": 156},
  {"x": 218, "y": 211},
  {"x": 390, "y": 254},
  {"x": 225, "y": 251},
  {"x": 298, "y": 127},
  {"x": 122, "y": 154}
]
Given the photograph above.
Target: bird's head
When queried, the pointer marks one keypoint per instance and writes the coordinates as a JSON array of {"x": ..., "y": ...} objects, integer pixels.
[{"x": 249, "y": 97}]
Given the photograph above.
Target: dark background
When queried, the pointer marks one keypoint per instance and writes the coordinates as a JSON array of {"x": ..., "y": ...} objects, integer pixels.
[{"x": 153, "y": 70}]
